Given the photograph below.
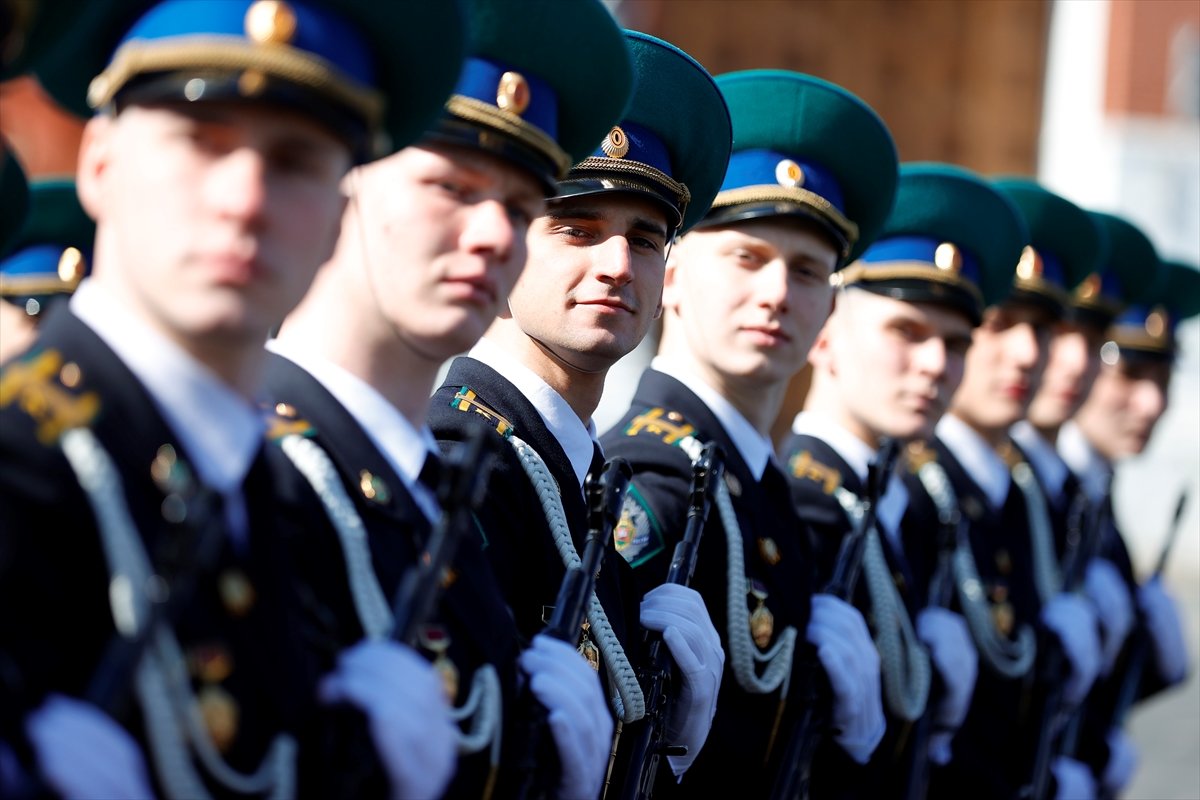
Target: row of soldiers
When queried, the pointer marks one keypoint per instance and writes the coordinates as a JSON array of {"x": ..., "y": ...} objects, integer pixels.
[{"x": 209, "y": 547}]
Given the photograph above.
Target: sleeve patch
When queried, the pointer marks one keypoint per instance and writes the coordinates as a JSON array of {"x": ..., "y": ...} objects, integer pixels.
[
  {"x": 803, "y": 467},
  {"x": 670, "y": 426},
  {"x": 637, "y": 535}
]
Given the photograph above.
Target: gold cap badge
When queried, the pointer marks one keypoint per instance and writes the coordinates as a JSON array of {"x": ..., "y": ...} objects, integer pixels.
[
  {"x": 1030, "y": 265},
  {"x": 512, "y": 93},
  {"x": 947, "y": 257},
  {"x": 71, "y": 266},
  {"x": 1156, "y": 322},
  {"x": 789, "y": 173},
  {"x": 1090, "y": 288},
  {"x": 270, "y": 22},
  {"x": 616, "y": 144}
]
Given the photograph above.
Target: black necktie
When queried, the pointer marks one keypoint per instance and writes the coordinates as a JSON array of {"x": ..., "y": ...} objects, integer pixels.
[
  {"x": 431, "y": 473},
  {"x": 597, "y": 465}
]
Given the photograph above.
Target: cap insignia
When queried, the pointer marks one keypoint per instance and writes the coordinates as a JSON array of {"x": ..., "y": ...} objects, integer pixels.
[
  {"x": 616, "y": 144},
  {"x": 270, "y": 22},
  {"x": 947, "y": 257},
  {"x": 71, "y": 266},
  {"x": 512, "y": 93},
  {"x": 789, "y": 173},
  {"x": 1090, "y": 287},
  {"x": 1030, "y": 265},
  {"x": 1156, "y": 322}
]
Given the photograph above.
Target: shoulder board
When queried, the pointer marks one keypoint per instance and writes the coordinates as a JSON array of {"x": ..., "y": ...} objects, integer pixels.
[
  {"x": 50, "y": 391},
  {"x": 669, "y": 426},
  {"x": 917, "y": 454},
  {"x": 466, "y": 400},
  {"x": 803, "y": 466},
  {"x": 282, "y": 420}
]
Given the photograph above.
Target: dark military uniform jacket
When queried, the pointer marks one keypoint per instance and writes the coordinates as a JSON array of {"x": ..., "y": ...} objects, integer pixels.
[
  {"x": 992, "y": 751},
  {"x": 741, "y": 755},
  {"x": 815, "y": 470},
  {"x": 471, "y": 625},
  {"x": 242, "y": 631}
]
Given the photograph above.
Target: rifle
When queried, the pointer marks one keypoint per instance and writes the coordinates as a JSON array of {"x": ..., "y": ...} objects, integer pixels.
[
  {"x": 538, "y": 764},
  {"x": 707, "y": 472},
  {"x": 951, "y": 530},
  {"x": 796, "y": 766},
  {"x": 1054, "y": 715}
]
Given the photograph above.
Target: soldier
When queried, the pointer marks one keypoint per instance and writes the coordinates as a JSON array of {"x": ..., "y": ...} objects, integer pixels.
[
  {"x": 44, "y": 263},
  {"x": 886, "y": 365},
  {"x": 162, "y": 622},
  {"x": 1115, "y": 422},
  {"x": 808, "y": 186},
  {"x": 590, "y": 293},
  {"x": 988, "y": 483},
  {"x": 432, "y": 240}
]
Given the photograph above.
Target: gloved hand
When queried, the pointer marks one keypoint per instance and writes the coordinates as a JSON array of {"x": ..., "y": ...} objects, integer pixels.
[
  {"x": 82, "y": 752},
  {"x": 1122, "y": 762},
  {"x": 1162, "y": 621},
  {"x": 680, "y": 615},
  {"x": 1072, "y": 620},
  {"x": 407, "y": 711},
  {"x": 956, "y": 660},
  {"x": 850, "y": 659},
  {"x": 1107, "y": 591},
  {"x": 1074, "y": 779},
  {"x": 579, "y": 718}
]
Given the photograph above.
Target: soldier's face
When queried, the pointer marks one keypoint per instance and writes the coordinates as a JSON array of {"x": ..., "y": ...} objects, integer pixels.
[
  {"x": 1126, "y": 402},
  {"x": 1070, "y": 371},
  {"x": 595, "y": 276},
  {"x": 749, "y": 299},
  {"x": 894, "y": 365},
  {"x": 436, "y": 238},
  {"x": 1003, "y": 367},
  {"x": 211, "y": 219}
]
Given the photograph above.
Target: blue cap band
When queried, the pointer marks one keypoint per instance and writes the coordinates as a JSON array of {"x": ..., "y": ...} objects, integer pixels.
[
  {"x": 920, "y": 249},
  {"x": 644, "y": 147},
  {"x": 480, "y": 79},
  {"x": 762, "y": 168}
]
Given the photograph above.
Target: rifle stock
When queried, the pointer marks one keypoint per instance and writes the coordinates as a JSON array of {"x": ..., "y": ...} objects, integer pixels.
[
  {"x": 794, "y": 771},
  {"x": 707, "y": 471},
  {"x": 538, "y": 764}
]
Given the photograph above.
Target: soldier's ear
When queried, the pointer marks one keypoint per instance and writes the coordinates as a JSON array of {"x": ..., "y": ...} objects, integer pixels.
[
  {"x": 669, "y": 297},
  {"x": 95, "y": 150}
]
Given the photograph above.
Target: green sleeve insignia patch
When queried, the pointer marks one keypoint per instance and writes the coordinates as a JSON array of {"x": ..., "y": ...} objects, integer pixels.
[
  {"x": 466, "y": 400},
  {"x": 46, "y": 389},
  {"x": 637, "y": 535},
  {"x": 804, "y": 467},
  {"x": 670, "y": 426}
]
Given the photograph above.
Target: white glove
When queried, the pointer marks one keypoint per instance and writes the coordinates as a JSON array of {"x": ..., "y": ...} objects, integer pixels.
[
  {"x": 851, "y": 662},
  {"x": 1072, "y": 620},
  {"x": 82, "y": 752},
  {"x": 579, "y": 718},
  {"x": 679, "y": 613},
  {"x": 1122, "y": 762},
  {"x": 953, "y": 654},
  {"x": 1162, "y": 620},
  {"x": 1074, "y": 778},
  {"x": 408, "y": 714},
  {"x": 1108, "y": 592}
]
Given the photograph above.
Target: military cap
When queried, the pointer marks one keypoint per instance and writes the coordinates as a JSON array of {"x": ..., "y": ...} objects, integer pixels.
[
  {"x": 52, "y": 252},
  {"x": 952, "y": 238},
  {"x": 543, "y": 82},
  {"x": 14, "y": 198},
  {"x": 1146, "y": 329},
  {"x": 1065, "y": 244},
  {"x": 804, "y": 147},
  {"x": 31, "y": 29},
  {"x": 1129, "y": 271},
  {"x": 370, "y": 71},
  {"x": 677, "y": 160}
]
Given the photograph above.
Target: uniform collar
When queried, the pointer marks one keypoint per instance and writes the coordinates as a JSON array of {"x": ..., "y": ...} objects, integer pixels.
[
  {"x": 857, "y": 454},
  {"x": 1047, "y": 464},
  {"x": 577, "y": 440},
  {"x": 977, "y": 457},
  {"x": 1093, "y": 470},
  {"x": 755, "y": 449},
  {"x": 404, "y": 445},
  {"x": 220, "y": 430}
]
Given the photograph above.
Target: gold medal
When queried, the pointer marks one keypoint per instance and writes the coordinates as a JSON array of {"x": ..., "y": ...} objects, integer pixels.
[
  {"x": 587, "y": 648},
  {"x": 237, "y": 593},
  {"x": 219, "y": 712},
  {"x": 769, "y": 551},
  {"x": 762, "y": 621},
  {"x": 435, "y": 639}
]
